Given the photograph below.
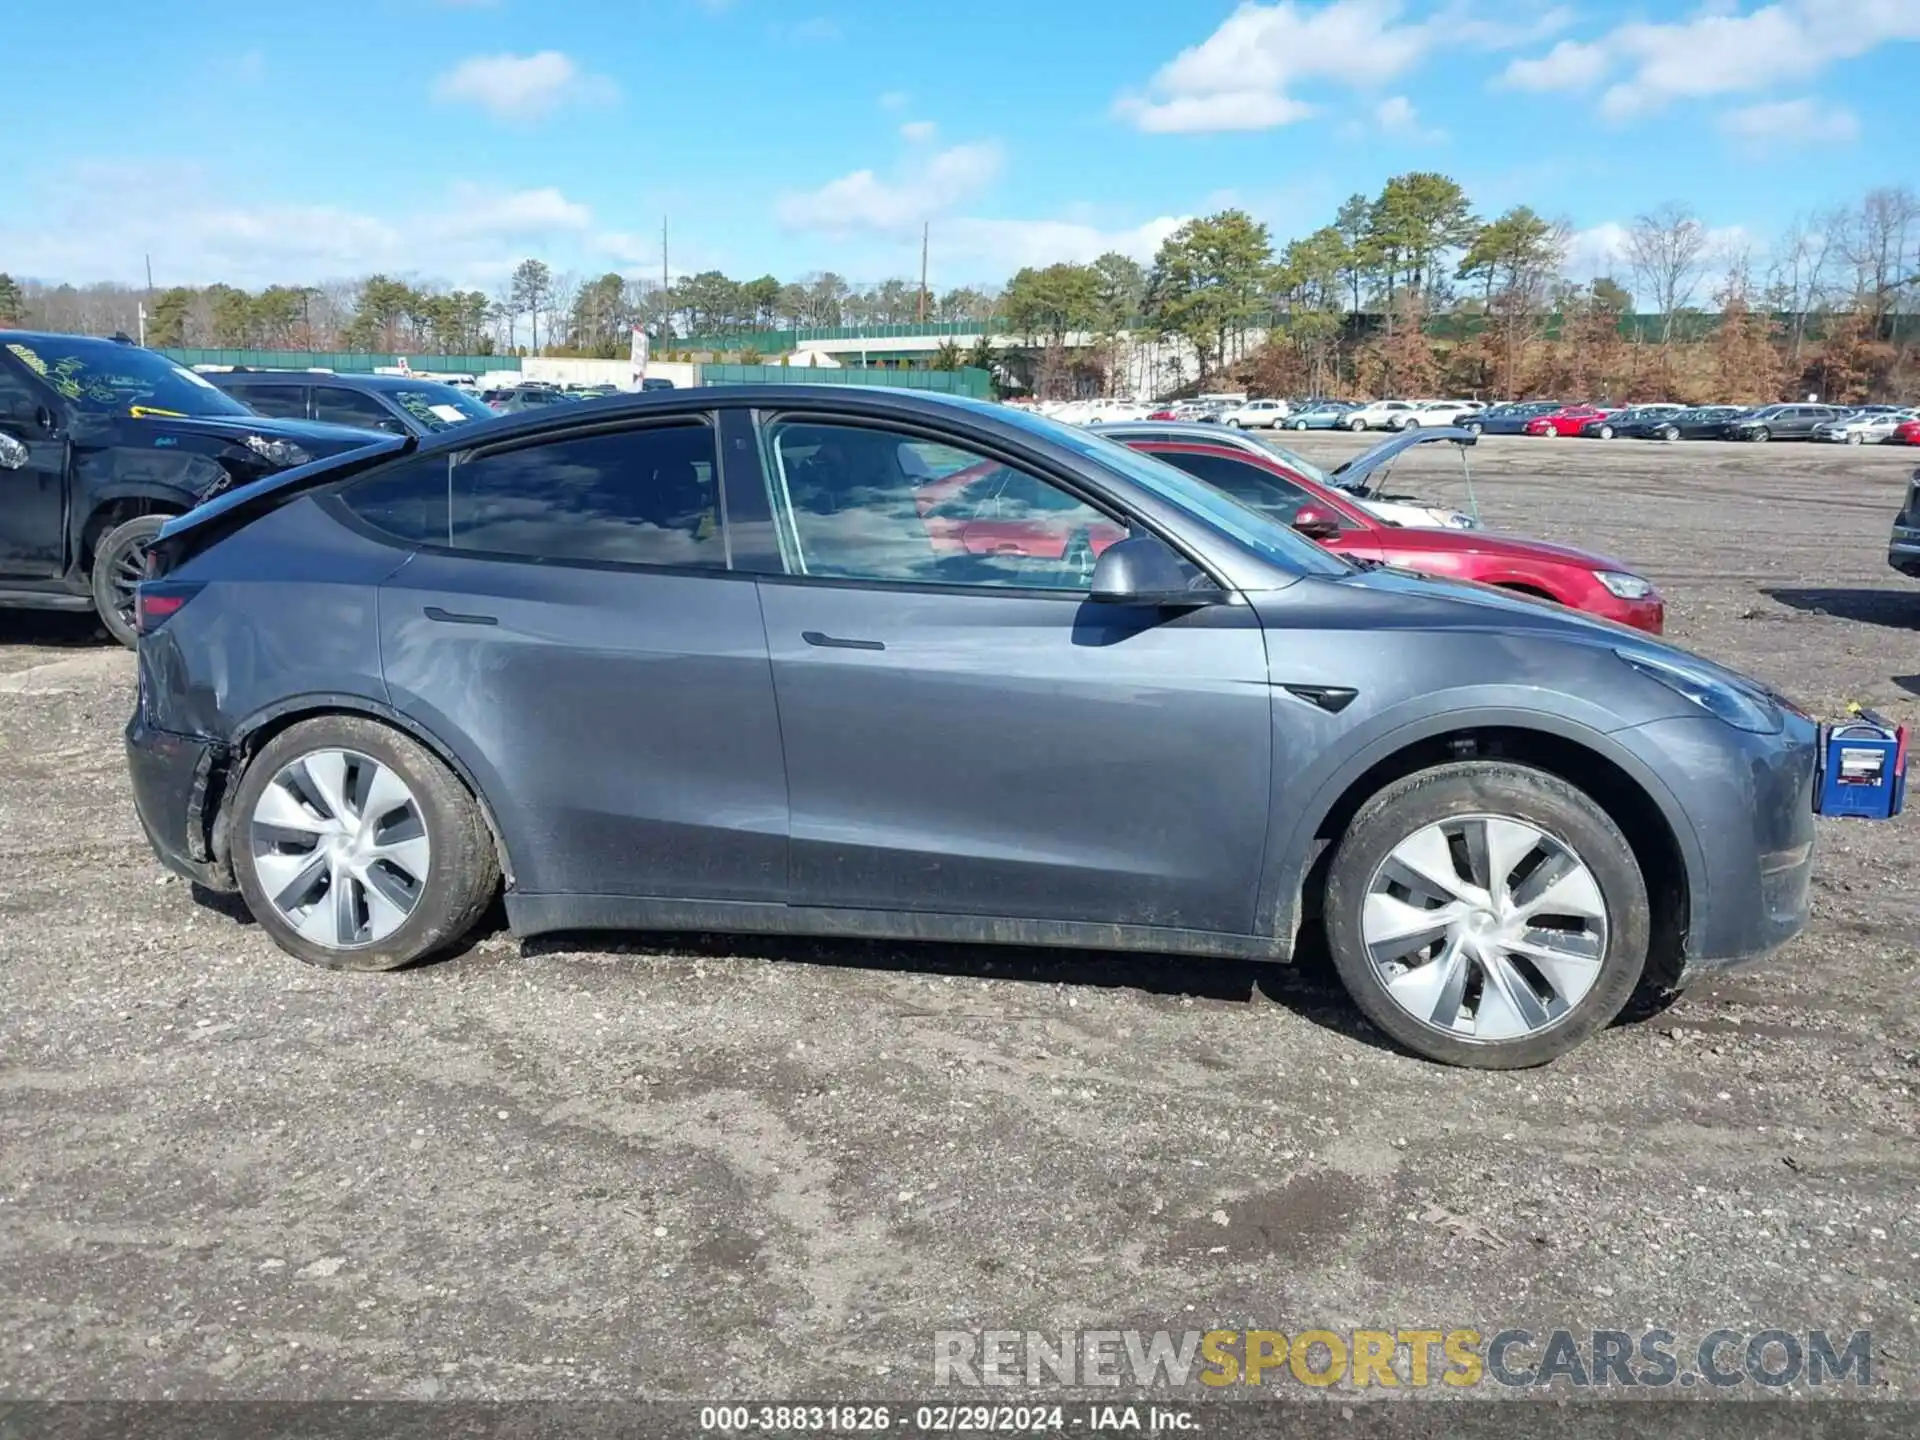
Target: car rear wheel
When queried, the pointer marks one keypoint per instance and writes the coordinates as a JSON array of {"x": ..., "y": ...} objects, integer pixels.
[
  {"x": 1409, "y": 424},
  {"x": 119, "y": 562},
  {"x": 357, "y": 849},
  {"x": 1487, "y": 914}
]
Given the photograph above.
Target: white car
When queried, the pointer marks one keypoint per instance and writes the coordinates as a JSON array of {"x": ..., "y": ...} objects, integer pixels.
[
  {"x": 1443, "y": 412},
  {"x": 1256, "y": 415},
  {"x": 1870, "y": 429},
  {"x": 1381, "y": 415},
  {"x": 1107, "y": 412}
]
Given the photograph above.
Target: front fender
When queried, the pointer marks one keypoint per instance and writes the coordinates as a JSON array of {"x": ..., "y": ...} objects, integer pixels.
[{"x": 1302, "y": 805}]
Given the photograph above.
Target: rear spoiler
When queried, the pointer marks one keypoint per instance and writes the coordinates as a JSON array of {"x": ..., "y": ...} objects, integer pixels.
[{"x": 215, "y": 519}]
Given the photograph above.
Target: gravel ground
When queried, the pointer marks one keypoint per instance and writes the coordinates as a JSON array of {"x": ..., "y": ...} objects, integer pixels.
[{"x": 695, "y": 1167}]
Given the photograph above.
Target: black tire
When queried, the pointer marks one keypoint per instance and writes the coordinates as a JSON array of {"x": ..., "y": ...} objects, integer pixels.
[
  {"x": 1523, "y": 793},
  {"x": 465, "y": 870},
  {"x": 1300, "y": 425},
  {"x": 1669, "y": 434},
  {"x": 1410, "y": 424},
  {"x": 1606, "y": 432},
  {"x": 1356, "y": 426},
  {"x": 119, "y": 559},
  {"x": 1761, "y": 436}
]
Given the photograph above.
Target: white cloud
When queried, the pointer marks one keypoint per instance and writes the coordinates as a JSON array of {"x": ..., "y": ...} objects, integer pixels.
[
  {"x": 1244, "y": 75},
  {"x": 894, "y": 100},
  {"x": 522, "y": 87},
  {"x": 1790, "y": 123},
  {"x": 918, "y": 132},
  {"x": 999, "y": 247},
  {"x": 1603, "y": 250},
  {"x": 1719, "y": 50},
  {"x": 1397, "y": 117},
  {"x": 863, "y": 202},
  {"x": 1570, "y": 65},
  {"x": 88, "y": 223}
]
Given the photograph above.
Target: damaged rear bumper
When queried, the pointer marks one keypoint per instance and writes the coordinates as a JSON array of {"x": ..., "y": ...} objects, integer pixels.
[{"x": 178, "y": 781}]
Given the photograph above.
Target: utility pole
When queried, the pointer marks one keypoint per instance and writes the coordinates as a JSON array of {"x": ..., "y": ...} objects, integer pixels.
[{"x": 922, "y": 316}]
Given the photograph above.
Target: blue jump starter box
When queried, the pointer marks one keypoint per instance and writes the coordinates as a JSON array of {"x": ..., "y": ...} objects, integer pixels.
[{"x": 1863, "y": 768}]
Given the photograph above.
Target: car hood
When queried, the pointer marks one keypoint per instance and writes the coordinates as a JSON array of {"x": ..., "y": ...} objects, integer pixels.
[
  {"x": 1353, "y": 475},
  {"x": 1513, "y": 547},
  {"x": 313, "y": 436}
]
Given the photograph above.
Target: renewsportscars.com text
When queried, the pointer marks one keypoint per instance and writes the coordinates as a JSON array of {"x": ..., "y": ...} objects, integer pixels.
[{"x": 1402, "y": 1358}]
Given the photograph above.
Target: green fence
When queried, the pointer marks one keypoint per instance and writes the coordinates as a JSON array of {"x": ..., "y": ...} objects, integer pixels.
[
  {"x": 346, "y": 362},
  {"x": 975, "y": 383}
]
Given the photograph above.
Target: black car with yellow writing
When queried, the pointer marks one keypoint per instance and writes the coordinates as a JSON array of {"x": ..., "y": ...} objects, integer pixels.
[{"x": 101, "y": 442}]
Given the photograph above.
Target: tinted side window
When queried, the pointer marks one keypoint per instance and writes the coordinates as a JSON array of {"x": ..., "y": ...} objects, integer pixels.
[
  {"x": 282, "y": 402},
  {"x": 15, "y": 390},
  {"x": 408, "y": 501},
  {"x": 1251, "y": 485},
  {"x": 647, "y": 496},
  {"x": 350, "y": 407},
  {"x": 869, "y": 504}
]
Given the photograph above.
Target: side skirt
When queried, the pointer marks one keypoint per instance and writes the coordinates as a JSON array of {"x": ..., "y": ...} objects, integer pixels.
[{"x": 543, "y": 914}]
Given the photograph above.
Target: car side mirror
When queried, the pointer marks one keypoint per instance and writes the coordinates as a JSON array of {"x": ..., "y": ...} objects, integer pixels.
[
  {"x": 1143, "y": 570},
  {"x": 13, "y": 455},
  {"x": 1315, "y": 524}
]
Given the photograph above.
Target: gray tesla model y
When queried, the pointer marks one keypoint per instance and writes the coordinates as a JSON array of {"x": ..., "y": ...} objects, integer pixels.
[{"x": 845, "y": 661}]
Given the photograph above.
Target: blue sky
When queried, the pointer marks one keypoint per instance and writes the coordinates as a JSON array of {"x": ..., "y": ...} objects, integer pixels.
[{"x": 445, "y": 139}]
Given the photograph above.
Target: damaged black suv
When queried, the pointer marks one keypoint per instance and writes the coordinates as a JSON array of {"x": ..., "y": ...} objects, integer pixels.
[{"x": 101, "y": 442}]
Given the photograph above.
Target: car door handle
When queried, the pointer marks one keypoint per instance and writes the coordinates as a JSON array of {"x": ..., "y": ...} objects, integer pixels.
[
  {"x": 831, "y": 642},
  {"x": 454, "y": 617}
]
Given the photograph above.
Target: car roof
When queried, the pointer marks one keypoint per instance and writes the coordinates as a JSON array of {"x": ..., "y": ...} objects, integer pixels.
[
  {"x": 1225, "y": 435},
  {"x": 867, "y": 401},
  {"x": 325, "y": 377}
]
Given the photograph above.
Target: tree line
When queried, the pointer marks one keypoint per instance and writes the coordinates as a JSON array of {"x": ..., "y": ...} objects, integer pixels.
[{"x": 1405, "y": 291}]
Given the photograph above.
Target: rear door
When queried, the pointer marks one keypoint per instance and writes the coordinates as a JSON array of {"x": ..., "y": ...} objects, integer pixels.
[
  {"x": 571, "y": 615},
  {"x": 967, "y": 734}
]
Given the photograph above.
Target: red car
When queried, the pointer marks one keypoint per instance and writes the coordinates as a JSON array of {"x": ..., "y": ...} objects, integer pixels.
[
  {"x": 1575, "y": 578},
  {"x": 1907, "y": 432},
  {"x": 1567, "y": 420}
]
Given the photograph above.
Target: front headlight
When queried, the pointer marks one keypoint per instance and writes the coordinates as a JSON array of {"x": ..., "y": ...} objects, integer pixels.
[
  {"x": 280, "y": 452},
  {"x": 1741, "y": 708},
  {"x": 1627, "y": 587},
  {"x": 1459, "y": 520}
]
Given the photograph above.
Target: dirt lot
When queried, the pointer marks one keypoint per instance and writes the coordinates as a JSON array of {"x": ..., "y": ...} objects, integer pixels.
[{"x": 705, "y": 1168}]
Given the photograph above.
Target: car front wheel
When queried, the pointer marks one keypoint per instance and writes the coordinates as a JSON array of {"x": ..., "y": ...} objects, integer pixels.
[
  {"x": 1606, "y": 432},
  {"x": 1356, "y": 426},
  {"x": 1299, "y": 424},
  {"x": 356, "y": 848},
  {"x": 1761, "y": 436},
  {"x": 1487, "y": 914},
  {"x": 119, "y": 562}
]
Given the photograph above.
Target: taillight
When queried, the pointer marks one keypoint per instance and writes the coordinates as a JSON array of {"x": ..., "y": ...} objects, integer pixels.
[{"x": 154, "y": 604}]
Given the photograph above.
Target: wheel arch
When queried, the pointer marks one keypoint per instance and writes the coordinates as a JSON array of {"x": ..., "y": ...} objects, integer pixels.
[
  {"x": 114, "y": 505},
  {"x": 1663, "y": 839},
  {"x": 252, "y": 735}
]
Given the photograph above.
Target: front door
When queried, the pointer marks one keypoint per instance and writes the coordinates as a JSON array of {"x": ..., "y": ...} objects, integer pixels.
[
  {"x": 966, "y": 733},
  {"x": 33, "y": 483},
  {"x": 573, "y": 616}
]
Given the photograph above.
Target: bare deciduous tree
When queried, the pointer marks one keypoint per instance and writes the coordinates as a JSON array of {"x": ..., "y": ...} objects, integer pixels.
[{"x": 1667, "y": 248}]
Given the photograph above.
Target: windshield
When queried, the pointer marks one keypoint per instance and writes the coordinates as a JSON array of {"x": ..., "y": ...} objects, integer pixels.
[
  {"x": 440, "y": 407},
  {"x": 104, "y": 377},
  {"x": 1300, "y": 464},
  {"x": 1272, "y": 542}
]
